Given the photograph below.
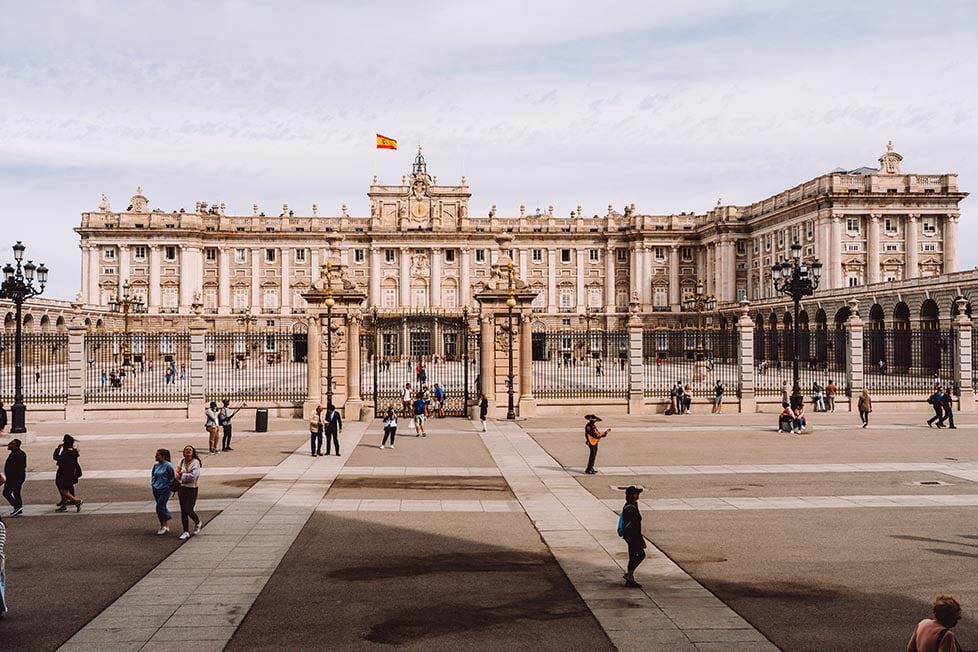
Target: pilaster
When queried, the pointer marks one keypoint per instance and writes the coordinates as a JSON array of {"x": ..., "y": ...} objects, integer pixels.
[
  {"x": 198, "y": 363},
  {"x": 854, "y": 355},
  {"x": 745, "y": 359},
  {"x": 962, "y": 360},
  {"x": 636, "y": 385},
  {"x": 75, "y": 407}
]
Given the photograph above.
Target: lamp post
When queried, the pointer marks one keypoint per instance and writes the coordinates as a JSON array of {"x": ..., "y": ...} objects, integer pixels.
[
  {"x": 246, "y": 319},
  {"x": 126, "y": 303},
  {"x": 586, "y": 318},
  {"x": 465, "y": 360},
  {"x": 18, "y": 286},
  {"x": 373, "y": 312},
  {"x": 510, "y": 304},
  {"x": 699, "y": 301},
  {"x": 330, "y": 302},
  {"x": 796, "y": 279}
]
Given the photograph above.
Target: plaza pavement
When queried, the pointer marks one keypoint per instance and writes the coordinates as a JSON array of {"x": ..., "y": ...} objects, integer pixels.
[{"x": 758, "y": 540}]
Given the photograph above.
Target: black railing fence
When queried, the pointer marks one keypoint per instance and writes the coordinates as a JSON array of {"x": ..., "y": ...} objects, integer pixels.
[
  {"x": 698, "y": 358},
  {"x": 253, "y": 366},
  {"x": 821, "y": 359},
  {"x": 45, "y": 367},
  {"x": 137, "y": 367},
  {"x": 901, "y": 360},
  {"x": 580, "y": 364}
]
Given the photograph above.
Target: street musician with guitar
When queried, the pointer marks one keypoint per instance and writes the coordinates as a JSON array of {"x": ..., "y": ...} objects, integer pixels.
[
  {"x": 224, "y": 420},
  {"x": 592, "y": 435}
]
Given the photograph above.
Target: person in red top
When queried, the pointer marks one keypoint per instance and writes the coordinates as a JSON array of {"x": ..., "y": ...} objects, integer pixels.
[{"x": 934, "y": 634}]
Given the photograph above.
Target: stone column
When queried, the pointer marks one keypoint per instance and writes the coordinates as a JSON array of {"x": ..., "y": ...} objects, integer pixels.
[
  {"x": 609, "y": 279},
  {"x": 674, "y": 300},
  {"x": 487, "y": 365},
  {"x": 873, "y": 250},
  {"x": 186, "y": 278},
  {"x": 154, "y": 279},
  {"x": 711, "y": 268},
  {"x": 84, "y": 273},
  {"x": 94, "y": 276},
  {"x": 912, "y": 269},
  {"x": 223, "y": 282},
  {"x": 962, "y": 360},
  {"x": 646, "y": 280},
  {"x": 636, "y": 363},
  {"x": 375, "y": 277},
  {"x": 951, "y": 244},
  {"x": 123, "y": 264},
  {"x": 255, "y": 302},
  {"x": 353, "y": 409},
  {"x": 527, "y": 404},
  {"x": 286, "y": 298},
  {"x": 75, "y": 407},
  {"x": 404, "y": 282},
  {"x": 314, "y": 367},
  {"x": 435, "y": 298},
  {"x": 745, "y": 359},
  {"x": 835, "y": 253},
  {"x": 198, "y": 363},
  {"x": 634, "y": 272},
  {"x": 552, "y": 280},
  {"x": 729, "y": 279},
  {"x": 464, "y": 281},
  {"x": 581, "y": 294},
  {"x": 854, "y": 355},
  {"x": 522, "y": 255}
]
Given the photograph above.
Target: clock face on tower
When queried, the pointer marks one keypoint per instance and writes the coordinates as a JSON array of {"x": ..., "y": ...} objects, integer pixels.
[{"x": 419, "y": 209}]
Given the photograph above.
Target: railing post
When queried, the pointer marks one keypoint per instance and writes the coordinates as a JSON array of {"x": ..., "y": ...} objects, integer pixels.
[
  {"x": 636, "y": 365},
  {"x": 314, "y": 369},
  {"x": 198, "y": 364},
  {"x": 527, "y": 404},
  {"x": 854, "y": 356},
  {"x": 745, "y": 359},
  {"x": 962, "y": 358},
  {"x": 353, "y": 408},
  {"x": 75, "y": 406}
]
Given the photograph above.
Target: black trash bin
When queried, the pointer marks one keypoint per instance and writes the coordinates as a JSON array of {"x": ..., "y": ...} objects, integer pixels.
[{"x": 261, "y": 420}]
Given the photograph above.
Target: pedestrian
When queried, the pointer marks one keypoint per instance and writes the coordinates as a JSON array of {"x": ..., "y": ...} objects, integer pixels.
[
  {"x": 103, "y": 378},
  {"x": 936, "y": 634},
  {"x": 936, "y": 401},
  {"x": 69, "y": 471},
  {"x": 332, "y": 427},
  {"x": 419, "y": 416},
  {"x": 718, "y": 397},
  {"x": 680, "y": 398},
  {"x": 786, "y": 392},
  {"x": 439, "y": 401},
  {"x": 630, "y": 529},
  {"x": 799, "y": 419},
  {"x": 188, "y": 473},
  {"x": 316, "y": 432},
  {"x": 390, "y": 426},
  {"x": 211, "y": 426},
  {"x": 687, "y": 398},
  {"x": 224, "y": 420},
  {"x": 162, "y": 477},
  {"x": 830, "y": 392},
  {"x": 406, "y": 395},
  {"x": 592, "y": 436},
  {"x": 865, "y": 406},
  {"x": 818, "y": 397},
  {"x": 483, "y": 410},
  {"x": 3, "y": 568},
  {"x": 14, "y": 474},
  {"x": 947, "y": 404},
  {"x": 3, "y": 418}
]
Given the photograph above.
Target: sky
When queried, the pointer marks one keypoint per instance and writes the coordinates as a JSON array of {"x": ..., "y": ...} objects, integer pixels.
[{"x": 667, "y": 105}]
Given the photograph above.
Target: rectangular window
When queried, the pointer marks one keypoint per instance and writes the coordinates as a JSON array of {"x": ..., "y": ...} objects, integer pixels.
[
  {"x": 780, "y": 238},
  {"x": 852, "y": 246},
  {"x": 300, "y": 255},
  {"x": 889, "y": 225},
  {"x": 139, "y": 253},
  {"x": 359, "y": 255},
  {"x": 565, "y": 255},
  {"x": 687, "y": 253},
  {"x": 660, "y": 253},
  {"x": 240, "y": 255},
  {"x": 741, "y": 247},
  {"x": 853, "y": 280},
  {"x": 537, "y": 255},
  {"x": 240, "y": 299},
  {"x": 930, "y": 247},
  {"x": 449, "y": 255},
  {"x": 892, "y": 247},
  {"x": 621, "y": 254},
  {"x": 388, "y": 255},
  {"x": 480, "y": 255},
  {"x": 269, "y": 255},
  {"x": 210, "y": 254},
  {"x": 108, "y": 253},
  {"x": 852, "y": 224},
  {"x": 170, "y": 253},
  {"x": 929, "y": 225},
  {"x": 594, "y": 255},
  {"x": 269, "y": 300}
]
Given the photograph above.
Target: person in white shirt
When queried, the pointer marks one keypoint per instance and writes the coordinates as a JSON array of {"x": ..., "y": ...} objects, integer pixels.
[{"x": 390, "y": 426}]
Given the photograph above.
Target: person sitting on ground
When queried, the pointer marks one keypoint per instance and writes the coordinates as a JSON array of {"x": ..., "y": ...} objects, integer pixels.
[
  {"x": 786, "y": 419},
  {"x": 799, "y": 421},
  {"x": 935, "y": 634}
]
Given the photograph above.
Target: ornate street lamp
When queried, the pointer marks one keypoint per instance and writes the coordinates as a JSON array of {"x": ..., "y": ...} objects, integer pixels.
[
  {"x": 797, "y": 279},
  {"x": 18, "y": 286},
  {"x": 586, "y": 318},
  {"x": 125, "y": 303},
  {"x": 330, "y": 302},
  {"x": 698, "y": 302},
  {"x": 510, "y": 304},
  {"x": 465, "y": 360},
  {"x": 246, "y": 319}
]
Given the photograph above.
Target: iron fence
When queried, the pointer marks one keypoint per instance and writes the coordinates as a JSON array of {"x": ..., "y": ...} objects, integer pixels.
[
  {"x": 821, "y": 357},
  {"x": 137, "y": 367},
  {"x": 689, "y": 356},
  {"x": 45, "y": 367},
  {"x": 580, "y": 364},
  {"x": 261, "y": 366},
  {"x": 901, "y": 360}
]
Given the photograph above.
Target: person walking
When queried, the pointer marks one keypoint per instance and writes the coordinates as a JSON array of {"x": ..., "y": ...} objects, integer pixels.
[
  {"x": 3, "y": 418},
  {"x": 936, "y": 634},
  {"x": 390, "y": 426},
  {"x": 406, "y": 399},
  {"x": 419, "y": 416},
  {"x": 631, "y": 532},
  {"x": 483, "y": 410},
  {"x": 332, "y": 426},
  {"x": 937, "y": 402},
  {"x": 3, "y": 568},
  {"x": 592, "y": 436},
  {"x": 947, "y": 404},
  {"x": 211, "y": 417},
  {"x": 188, "y": 473},
  {"x": 316, "y": 432},
  {"x": 865, "y": 406},
  {"x": 830, "y": 392},
  {"x": 718, "y": 397},
  {"x": 14, "y": 473},
  {"x": 69, "y": 471},
  {"x": 161, "y": 481}
]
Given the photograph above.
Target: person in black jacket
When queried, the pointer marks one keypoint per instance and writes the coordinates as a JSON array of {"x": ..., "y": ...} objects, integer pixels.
[
  {"x": 3, "y": 418},
  {"x": 632, "y": 534},
  {"x": 66, "y": 455},
  {"x": 947, "y": 403},
  {"x": 14, "y": 472},
  {"x": 333, "y": 426}
]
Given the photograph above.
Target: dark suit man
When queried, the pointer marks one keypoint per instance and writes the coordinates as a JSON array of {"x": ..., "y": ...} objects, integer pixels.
[{"x": 333, "y": 426}]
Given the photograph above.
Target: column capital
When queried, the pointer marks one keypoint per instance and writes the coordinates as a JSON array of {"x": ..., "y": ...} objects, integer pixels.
[
  {"x": 674, "y": 246},
  {"x": 913, "y": 216},
  {"x": 875, "y": 216}
]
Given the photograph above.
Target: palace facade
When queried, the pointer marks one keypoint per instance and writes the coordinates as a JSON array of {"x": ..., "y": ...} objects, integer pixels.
[{"x": 420, "y": 248}]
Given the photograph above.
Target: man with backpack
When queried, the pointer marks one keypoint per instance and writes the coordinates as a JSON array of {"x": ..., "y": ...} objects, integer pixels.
[
  {"x": 937, "y": 402},
  {"x": 630, "y": 529}
]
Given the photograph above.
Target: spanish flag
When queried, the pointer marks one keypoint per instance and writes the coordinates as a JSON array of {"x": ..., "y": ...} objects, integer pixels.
[{"x": 383, "y": 142}]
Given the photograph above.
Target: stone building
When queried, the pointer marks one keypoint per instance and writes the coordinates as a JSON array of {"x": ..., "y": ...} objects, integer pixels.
[{"x": 420, "y": 248}]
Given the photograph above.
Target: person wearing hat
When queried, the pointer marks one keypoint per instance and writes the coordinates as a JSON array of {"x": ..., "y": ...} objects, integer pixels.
[
  {"x": 211, "y": 425},
  {"x": 592, "y": 436},
  {"x": 631, "y": 532}
]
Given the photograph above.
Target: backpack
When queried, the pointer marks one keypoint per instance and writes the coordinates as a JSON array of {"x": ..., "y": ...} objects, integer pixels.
[{"x": 621, "y": 524}]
